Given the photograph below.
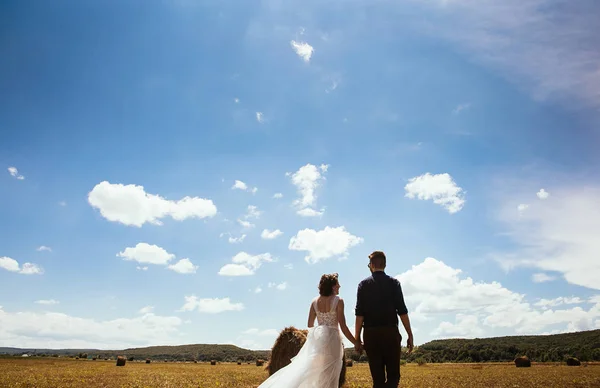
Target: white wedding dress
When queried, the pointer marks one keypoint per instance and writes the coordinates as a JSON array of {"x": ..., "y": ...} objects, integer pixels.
[{"x": 319, "y": 362}]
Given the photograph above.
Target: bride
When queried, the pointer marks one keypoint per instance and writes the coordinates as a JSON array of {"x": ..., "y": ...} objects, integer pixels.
[{"x": 319, "y": 362}]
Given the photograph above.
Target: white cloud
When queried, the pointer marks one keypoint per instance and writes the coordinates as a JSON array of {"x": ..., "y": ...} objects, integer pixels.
[
  {"x": 236, "y": 100},
  {"x": 307, "y": 179},
  {"x": 252, "y": 212},
  {"x": 545, "y": 303},
  {"x": 556, "y": 236},
  {"x": 146, "y": 253},
  {"x": 308, "y": 212},
  {"x": 31, "y": 269},
  {"x": 303, "y": 49},
  {"x": 131, "y": 205},
  {"x": 235, "y": 270},
  {"x": 289, "y": 266},
  {"x": 239, "y": 185},
  {"x": 270, "y": 234},
  {"x": 257, "y": 290},
  {"x": 62, "y": 203},
  {"x": 324, "y": 244},
  {"x": 210, "y": 305},
  {"x": 236, "y": 240},
  {"x": 440, "y": 188},
  {"x": 245, "y": 264},
  {"x": 542, "y": 277},
  {"x": 277, "y": 196},
  {"x": 60, "y": 331},
  {"x": 15, "y": 173},
  {"x": 12, "y": 265},
  {"x": 146, "y": 310},
  {"x": 521, "y": 41},
  {"x": 183, "y": 266},
  {"x": 281, "y": 286},
  {"x": 460, "y": 108},
  {"x": 47, "y": 302},
  {"x": 437, "y": 289},
  {"x": 260, "y": 117},
  {"x": 522, "y": 207},
  {"x": 44, "y": 248},
  {"x": 465, "y": 326},
  {"x": 246, "y": 224},
  {"x": 9, "y": 264},
  {"x": 542, "y": 194}
]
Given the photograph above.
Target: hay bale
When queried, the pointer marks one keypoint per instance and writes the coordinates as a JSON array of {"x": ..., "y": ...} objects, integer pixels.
[
  {"x": 239, "y": 363},
  {"x": 195, "y": 361},
  {"x": 349, "y": 363},
  {"x": 572, "y": 361},
  {"x": 287, "y": 345},
  {"x": 121, "y": 361},
  {"x": 147, "y": 361},
  {"x": 130, "y": 359},
  {"x": 213, "y": 362},
  {"x": 522, "y": 362},
  {"x": 260, "y": 362}
]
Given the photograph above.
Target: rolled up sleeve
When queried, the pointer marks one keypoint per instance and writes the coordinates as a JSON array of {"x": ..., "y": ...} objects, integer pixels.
[
  {"x": 359, "y": 310},
  {"x": 399, "y": 300}
]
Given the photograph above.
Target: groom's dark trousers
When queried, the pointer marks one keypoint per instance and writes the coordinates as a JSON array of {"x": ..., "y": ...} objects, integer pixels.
[{"x": 382, "y": 345}]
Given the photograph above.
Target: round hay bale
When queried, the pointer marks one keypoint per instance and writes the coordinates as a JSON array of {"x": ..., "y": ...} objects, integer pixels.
[
  {"x": 572, "y": 361},
  {"x": 260, "y": 362},
  {"x": 147, "y": 361},
  {"x": 239, "y": 363},
  {"x": 349, "y": 363},
  {"x": 195, "y": 361},
  {"x": 522, "y": 362},
  {"x": 121, "y": 361},
  {"x": 287, "y": 345},
  {"x": 213, "y": 362}
]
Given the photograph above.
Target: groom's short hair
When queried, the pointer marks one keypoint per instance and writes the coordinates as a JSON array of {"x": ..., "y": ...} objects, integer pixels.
[{"x": 377, "y": 259}]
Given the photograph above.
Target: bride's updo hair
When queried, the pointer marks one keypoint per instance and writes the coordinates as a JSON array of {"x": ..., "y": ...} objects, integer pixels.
[{"x": 328, "y": 281}]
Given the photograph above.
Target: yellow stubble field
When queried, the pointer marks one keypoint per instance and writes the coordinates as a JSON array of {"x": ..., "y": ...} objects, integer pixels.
[{"x": 69, "y": 373}]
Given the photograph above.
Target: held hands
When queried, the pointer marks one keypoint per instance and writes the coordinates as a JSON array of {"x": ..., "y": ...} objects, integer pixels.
[{"x": 358, "y": 347}]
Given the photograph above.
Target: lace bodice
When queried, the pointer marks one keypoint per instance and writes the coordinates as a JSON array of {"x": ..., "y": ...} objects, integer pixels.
[{"x": 327, "y": 318}]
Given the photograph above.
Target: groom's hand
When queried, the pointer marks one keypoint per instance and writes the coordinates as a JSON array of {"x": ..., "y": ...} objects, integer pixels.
[
  {"x": 409, "y": 344},
  {"x": 358, "y": 348}
]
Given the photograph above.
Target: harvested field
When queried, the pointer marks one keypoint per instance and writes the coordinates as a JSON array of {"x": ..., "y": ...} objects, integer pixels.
[{"x": 45, "y": 373}]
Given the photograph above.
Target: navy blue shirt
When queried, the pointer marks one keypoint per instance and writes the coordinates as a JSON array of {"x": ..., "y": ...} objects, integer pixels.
[{"x": 379, "y": 300}]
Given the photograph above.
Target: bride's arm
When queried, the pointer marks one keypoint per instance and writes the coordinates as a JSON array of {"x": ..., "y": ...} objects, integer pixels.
[
  {"x": 342, "y": 321},
  {"x": 312, "y": 315}
]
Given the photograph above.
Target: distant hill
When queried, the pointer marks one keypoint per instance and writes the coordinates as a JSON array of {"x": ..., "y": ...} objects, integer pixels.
[
  {"x": 584, "y": 345},
  {"x": 199, "y": 352}
]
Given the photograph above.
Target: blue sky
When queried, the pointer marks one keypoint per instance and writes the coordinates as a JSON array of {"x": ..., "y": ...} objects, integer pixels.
[{"x": 459, "y": 137}]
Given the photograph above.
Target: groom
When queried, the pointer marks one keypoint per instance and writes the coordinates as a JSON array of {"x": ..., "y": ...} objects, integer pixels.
[{"x": 379, "y": 301}]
